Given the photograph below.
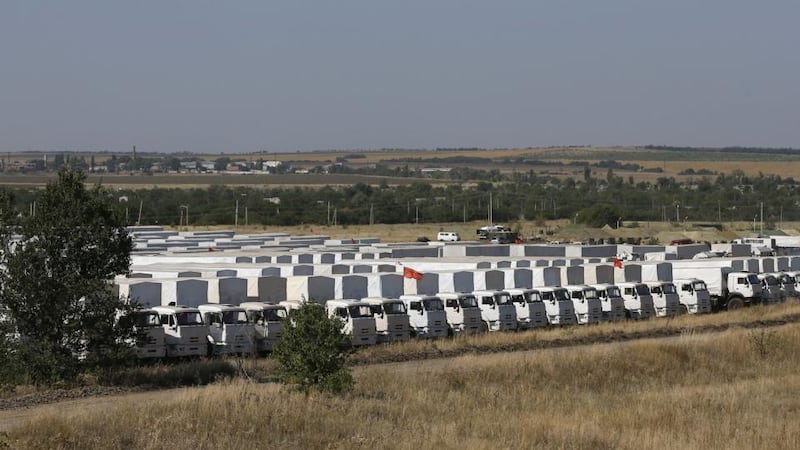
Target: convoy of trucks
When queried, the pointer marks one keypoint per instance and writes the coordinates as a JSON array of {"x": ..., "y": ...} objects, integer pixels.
[{"x": 178, "y": 331}]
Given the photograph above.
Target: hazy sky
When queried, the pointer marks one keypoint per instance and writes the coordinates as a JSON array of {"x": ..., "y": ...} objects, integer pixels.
[{"x": 250, "y": 75}]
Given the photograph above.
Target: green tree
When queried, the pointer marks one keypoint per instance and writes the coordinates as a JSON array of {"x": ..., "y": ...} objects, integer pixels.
[
  {"x": 55, "y": 277},
  {"x": 313, "y": 351}
]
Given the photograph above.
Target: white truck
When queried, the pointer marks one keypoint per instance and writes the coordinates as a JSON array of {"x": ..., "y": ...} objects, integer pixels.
[
  {"x": 149, "y": 338},
  {"x": 391, "y": 319},
  {"x": 729, "y": 290},
  {"x": 229, "y": 331},
  {"x": 185, "y": 333},
  {"x": 497, "y": 311},
  {"x": 359, "y": 323},
  {"x": 463, "y": 314},
  {"x": 267, "y": 320},
  {"x": 770, "y": 288},
  {"x": 638, "y": 301},
  {"x": 693, "y": 295},
  {"x": 611, "y": 301},
  {"x": 531, "y": 312},
  {"x": 558, "y": 303},
  {"x": 665, "y": 298},
  {"x": 787, "y": 283},
  {"x": 588, "y": 308},
  {"x": 426, "y": 315}
]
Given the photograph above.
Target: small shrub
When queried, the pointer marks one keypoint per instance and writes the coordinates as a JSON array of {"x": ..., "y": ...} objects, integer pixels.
[
  {"x": 762, "y": 342},
  {"x": 313, "y": 351}
]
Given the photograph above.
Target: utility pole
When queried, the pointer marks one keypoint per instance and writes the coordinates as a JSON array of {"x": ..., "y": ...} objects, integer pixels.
[
  {"x": 236, "y": 216},
  {"x": 139, "y": 219},
  {"x": 416, "y": 216},
  {"x": 329, "y": 213},
  {"x": 490, "y": 210},
  {"x": 465, "y": 213},
  {"x": 371, "y": 216},
  {"x": 762, "y": 219}
]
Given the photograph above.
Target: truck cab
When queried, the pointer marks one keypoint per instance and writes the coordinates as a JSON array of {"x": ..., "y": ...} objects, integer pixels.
[
  {"x": 229, "y": 331},
  {"x": 426, "y": 315},
  {"x": 359, "y": 322},
  {"x": 588, "y": 308},
  {"x": 611, "y": 301},
  {"x": 531, "y": 312},
  {"x": 558, "y": 304},
  {"x": 770, "y": 288},
  {"x": 267, "y": 320},
  {"x": 185, "y": 333},
  {"x": 638, "y": 301},
  {"x": 693, "y": 295},
  {"x": 666, "y": 300},
  {"x": 741, "y": 288},
  {"x": 463, "y": 314},
  {"x": 149, "y": 336},
  {"x": 497, "y": 311},
  {"x": 391, "y": 319},
  {"x": 787, "y": 285}
]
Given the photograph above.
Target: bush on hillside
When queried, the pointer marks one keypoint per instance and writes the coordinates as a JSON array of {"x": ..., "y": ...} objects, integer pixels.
[{"x": 313, "y": 351}]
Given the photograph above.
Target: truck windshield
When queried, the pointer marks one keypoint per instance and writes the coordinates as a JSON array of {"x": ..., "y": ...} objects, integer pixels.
[
  {"x": 590, "y": 294},
  {"x": 394, "y": 308},
  {"x": 433, "y": 304},
  {"x": 503, "y": 298},
  {"x": 534, "y": 297},
  {"x": 699, "y": 286},
  {"x": 359, "y": 311},
  {"x": 562, "y": 295},
  {"x": 786, "y": 279},
  {"x": 612, "y": 291},
  {"x": 669, "y": 288},
  {"x": 189, "y": 318},
  {"x": 145, "y": 319},
  {"x": 468, "y": 301},
  {"x": 771, "y": 280},
  {"x": 234, "y": 317},
  {"x": 753, "y": 279},
  {"x": 642, "y": 289},
  {"x": 519, "y": 298},
  {"x": 275, "y": 315},
  {"x": 376, "y": 310}
]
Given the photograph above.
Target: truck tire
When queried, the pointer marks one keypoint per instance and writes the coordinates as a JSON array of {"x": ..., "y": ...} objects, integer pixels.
[
  {"x": 484, "y": 327},
  {"x": 734, "y": 303},
  {"x": 683, "y": 310}
]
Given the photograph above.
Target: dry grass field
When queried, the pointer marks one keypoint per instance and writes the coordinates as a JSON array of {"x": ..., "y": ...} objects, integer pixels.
[{"x": 735, "y": 390}]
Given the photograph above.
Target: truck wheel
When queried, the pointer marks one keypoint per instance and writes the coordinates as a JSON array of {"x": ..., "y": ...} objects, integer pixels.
[
  {"x": 683, "y": 310},
  {"x": 735, "y": 303},
  {"x": 484, "y": 327}
]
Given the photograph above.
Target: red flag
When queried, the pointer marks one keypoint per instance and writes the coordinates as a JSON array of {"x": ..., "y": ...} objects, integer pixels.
[
  {"x": 618, "y": 263},
  {"x": 408, "y": 272}
]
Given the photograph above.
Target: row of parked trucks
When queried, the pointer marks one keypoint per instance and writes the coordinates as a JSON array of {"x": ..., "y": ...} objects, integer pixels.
[{"x": 180, "y": 331}]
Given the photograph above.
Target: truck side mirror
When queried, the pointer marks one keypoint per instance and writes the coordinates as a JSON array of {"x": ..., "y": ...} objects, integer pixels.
[{"x": 421, "y": 311}]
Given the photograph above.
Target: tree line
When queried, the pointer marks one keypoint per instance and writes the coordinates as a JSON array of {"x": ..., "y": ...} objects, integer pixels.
[{"x": 593, "y": 200}]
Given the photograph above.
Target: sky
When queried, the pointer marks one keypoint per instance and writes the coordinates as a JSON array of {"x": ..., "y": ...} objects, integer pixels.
[{"x": 274, "y": 75}]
